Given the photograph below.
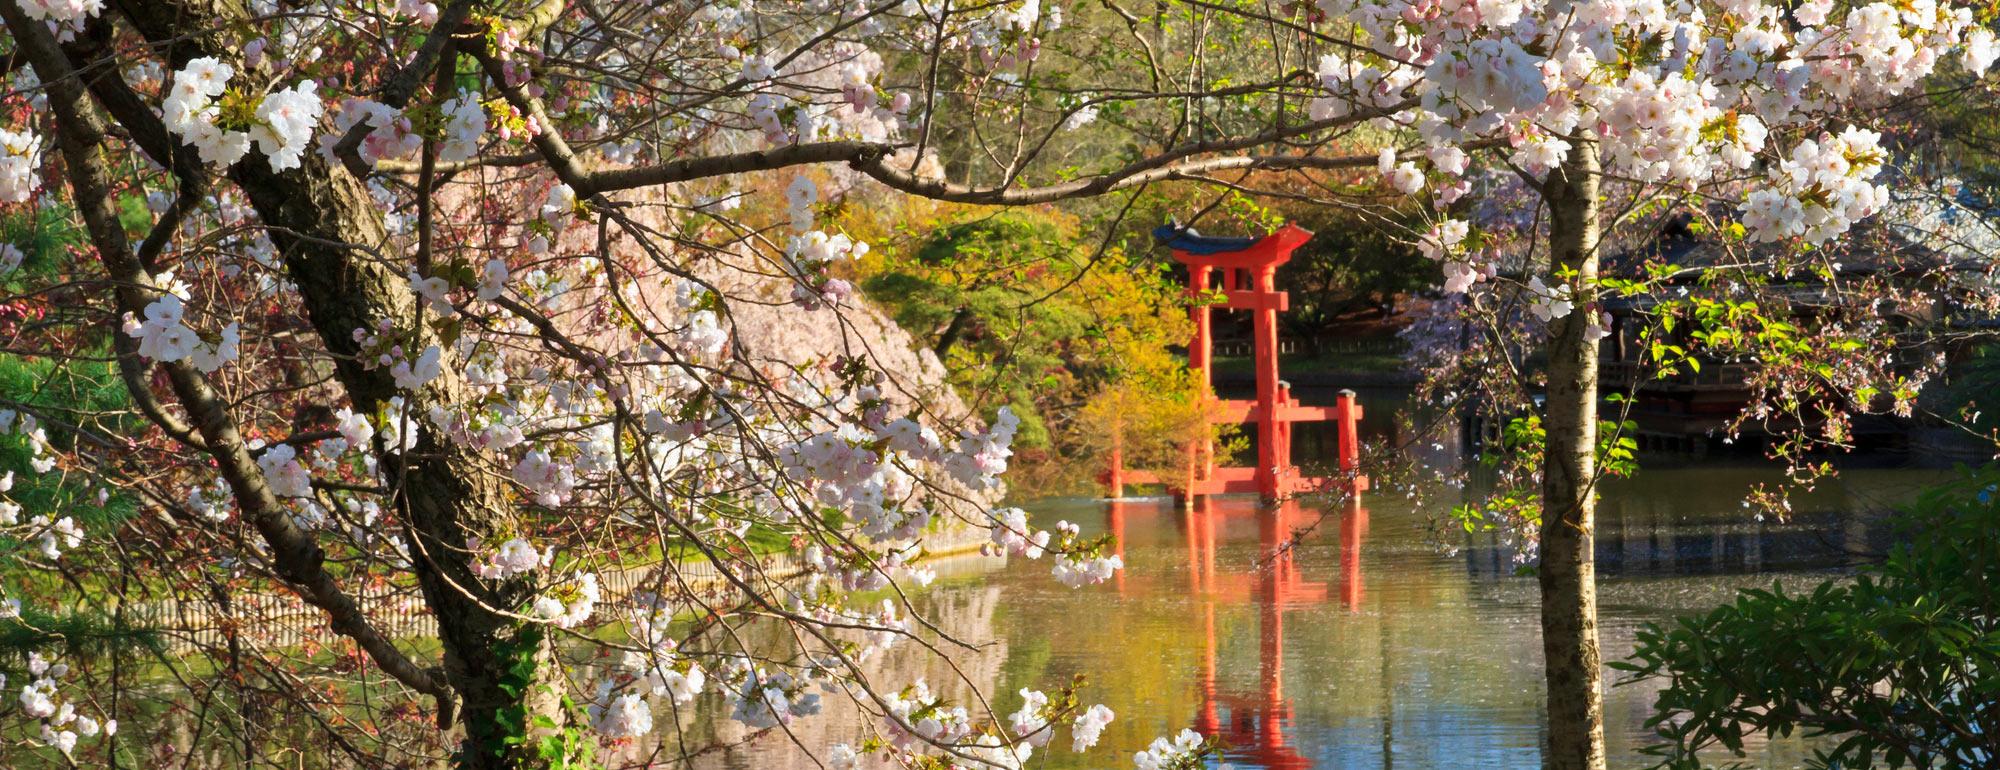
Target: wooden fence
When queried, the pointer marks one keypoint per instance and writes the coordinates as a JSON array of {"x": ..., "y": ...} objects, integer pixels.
[{"x": 276, "y": 620}]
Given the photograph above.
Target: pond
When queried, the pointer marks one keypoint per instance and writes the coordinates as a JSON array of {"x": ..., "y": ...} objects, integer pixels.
[{"x": 1373, "y": 645}]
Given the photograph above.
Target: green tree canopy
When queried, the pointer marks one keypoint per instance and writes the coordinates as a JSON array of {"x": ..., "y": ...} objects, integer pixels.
[{"x": 1027, "y": 312}]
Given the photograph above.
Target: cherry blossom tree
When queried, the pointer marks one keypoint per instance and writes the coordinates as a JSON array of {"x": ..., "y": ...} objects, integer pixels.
[
  {"x": 423, "y": 302},
  {"x": 1750, "y": 107},
  {"x": 421, "y": 298}
]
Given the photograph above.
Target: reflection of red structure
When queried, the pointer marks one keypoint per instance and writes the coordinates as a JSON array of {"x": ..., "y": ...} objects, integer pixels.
[
  {"x": 1253, "y": 724},
  {"x": 1244, "y": 272},
  {"x": 1353, "y": 527}
]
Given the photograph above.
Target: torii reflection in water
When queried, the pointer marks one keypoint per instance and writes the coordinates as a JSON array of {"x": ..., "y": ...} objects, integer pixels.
[{"x": 1252, "y": 725}]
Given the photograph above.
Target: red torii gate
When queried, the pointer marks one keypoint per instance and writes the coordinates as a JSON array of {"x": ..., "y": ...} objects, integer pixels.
[{"x": 1248, "y": 281}]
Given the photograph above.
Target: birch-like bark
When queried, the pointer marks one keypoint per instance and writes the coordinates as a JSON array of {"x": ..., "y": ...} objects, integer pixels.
[{"x": 1568, "y": 573}]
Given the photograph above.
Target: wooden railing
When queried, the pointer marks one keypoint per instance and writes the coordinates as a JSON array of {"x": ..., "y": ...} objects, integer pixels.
[
  {"x": 1712, "y": 376},
  {"x": 1244, "y": 348}
]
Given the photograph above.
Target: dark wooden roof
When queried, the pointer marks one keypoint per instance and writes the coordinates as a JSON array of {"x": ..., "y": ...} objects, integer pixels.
[{"x": 1187, "y": 239}]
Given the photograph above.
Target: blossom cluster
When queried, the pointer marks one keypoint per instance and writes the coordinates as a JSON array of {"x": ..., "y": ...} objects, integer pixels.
[
  {"x": 62, "y": 11},
  {"x": 657, "y": 666},
  {"x": 549, "y": 481},
  {"x": 1078, "y": 570},
  {"x": 1821, "y": 189},
  {"x": 621, "y": 709},
  {"x": 1032, "y": 724},
  {"x": 221, "y": 125},
  {"x": 761, "y": 698},
  {"x": 624, "y": 716},
  {"x": 283, "y": 472},
  {"x": 1089, "y": 727},
  {"x": 391, "y": 135},
  {"x": 1549, "y": 303},
  {"x": 863, "y": 472},
  {"x": 810, "y": 252},
  {"x": 783, "y": 104},
  {"x": 51, "y": 534},
  {"x": 61, "y": 724},
  {"x": 1077, "y": 563},
  {"x": 569, "y": 604},
  {"x": 55, "y": 534},
  {"x": 20, "y": 157},
  {"x": 1183, "y": 752},
  {"x": 41, "y": 456},
  {"x": 464, "y": 127},
  {"x": 383, "y": 348},
  {"x": 1013, "y": 535},
  {"x": 164, "y": 336},
  {"x": 1445, "y": 244},
  {"x": 916, "y": 713},
  {"x": 513, "y": 558}
]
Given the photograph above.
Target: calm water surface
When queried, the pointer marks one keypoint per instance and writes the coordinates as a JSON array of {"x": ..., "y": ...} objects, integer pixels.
[{"x": 1370, "y": 647}]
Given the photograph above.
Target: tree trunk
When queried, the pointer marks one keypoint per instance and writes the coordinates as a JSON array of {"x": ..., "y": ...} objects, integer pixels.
[
  {"x": 447, "y": 493},
  {"x": 1568, "y": 573}
]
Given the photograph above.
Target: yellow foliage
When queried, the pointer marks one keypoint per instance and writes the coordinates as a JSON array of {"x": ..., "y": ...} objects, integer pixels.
[{"x": 1030, "y": 309}]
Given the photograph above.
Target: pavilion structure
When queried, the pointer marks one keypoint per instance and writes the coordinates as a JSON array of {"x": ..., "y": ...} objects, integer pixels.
[{"x": 1242, "y": 273}]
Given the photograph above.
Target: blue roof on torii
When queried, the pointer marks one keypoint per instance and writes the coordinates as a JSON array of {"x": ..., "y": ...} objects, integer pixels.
[{"x": 1187, "y": 239}]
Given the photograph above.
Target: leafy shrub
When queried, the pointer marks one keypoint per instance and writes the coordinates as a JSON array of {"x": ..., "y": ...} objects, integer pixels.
[{"x": 1899, "y": 667}]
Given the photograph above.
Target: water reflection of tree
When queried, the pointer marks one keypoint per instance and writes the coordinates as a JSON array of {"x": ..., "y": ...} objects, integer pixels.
[
  {"x": 968, "y": 607},
  {"x": 1691, "y": 521}
]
